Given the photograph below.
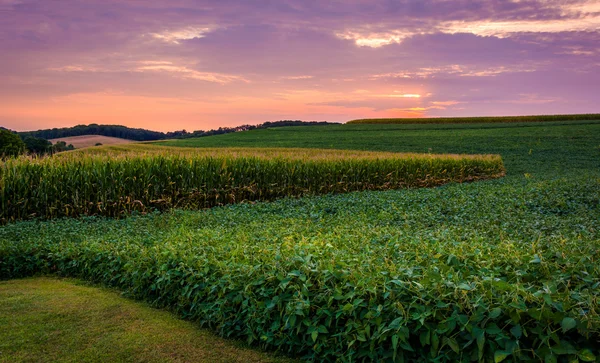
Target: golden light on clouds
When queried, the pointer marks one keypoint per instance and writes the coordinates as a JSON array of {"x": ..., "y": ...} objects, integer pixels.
[
  {"x": 176, "y": 36},
  {"x": 502, "y": 29},
  {"x": 173, "y": 64},
  {"x": 374, "y": 39},
  {"x": 581, "y": 16}
]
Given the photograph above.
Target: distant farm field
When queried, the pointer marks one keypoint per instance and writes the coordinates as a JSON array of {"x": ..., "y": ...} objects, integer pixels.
[
  {"x": 505, "y": 269},
  {"x": 491, "y": 119},
  {"x": 552, "y": 148},
  {"x": 84, "y": 141}
]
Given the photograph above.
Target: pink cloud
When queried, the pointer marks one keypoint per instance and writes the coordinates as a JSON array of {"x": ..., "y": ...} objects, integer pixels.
[{"x": 201, "y": 64}]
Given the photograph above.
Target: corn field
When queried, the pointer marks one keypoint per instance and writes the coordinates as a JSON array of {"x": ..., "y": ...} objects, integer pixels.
[{"x": 115, "y": 181}]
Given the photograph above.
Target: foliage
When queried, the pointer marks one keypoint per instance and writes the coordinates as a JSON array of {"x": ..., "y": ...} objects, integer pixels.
[
  {"x": 36, "y": 145},
  {"x": 128, "y": 133},
  {"x": 490, "y": 270},
  {"x": 10, "y": 144},
  {"x": 95, "y": 129},
  {"x": 228, "y": 130},
  {"x": 61, "y": 146},
  {"x": 98, "y": 182},
  {"x": 499, "y": 270},
  {"x": 442, "y": 120}
]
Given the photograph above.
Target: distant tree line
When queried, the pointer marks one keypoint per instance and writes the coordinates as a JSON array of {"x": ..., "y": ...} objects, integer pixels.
[
  {"x": 95, "y": 129},
  {"x": 12, "y": 144},
  {"x": 36, "y": 142},
  {"x": 147, "y": 135},
  {"x": 226, "y": 130}
]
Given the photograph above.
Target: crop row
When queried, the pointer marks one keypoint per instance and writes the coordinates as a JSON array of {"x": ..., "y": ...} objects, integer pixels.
[
  {"x": 461, "y": 120},
  {"x": 112, "y": 182}
]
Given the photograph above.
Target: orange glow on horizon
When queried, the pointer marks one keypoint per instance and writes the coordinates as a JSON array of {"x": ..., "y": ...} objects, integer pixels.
[
  {"x": 161, "y": 114},
  {"x": 186, "y": 64}
]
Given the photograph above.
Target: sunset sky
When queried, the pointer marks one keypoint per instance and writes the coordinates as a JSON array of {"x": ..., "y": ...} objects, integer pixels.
[{"x": 183, "y": 64}]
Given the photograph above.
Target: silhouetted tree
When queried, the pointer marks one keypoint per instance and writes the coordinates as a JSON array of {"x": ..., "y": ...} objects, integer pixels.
[
  {"x": 37, "y": 145},
  {"x": 10, "y": 144},
  {"x": 61, "y": 146}
]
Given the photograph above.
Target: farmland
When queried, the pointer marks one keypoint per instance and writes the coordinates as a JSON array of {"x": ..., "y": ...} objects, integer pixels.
[
  {"x": 120, "y": 180},
  {"x": 91, "y": 140},
  {"x": 497, "y": 270},
  {"x": 490, "y": 119}
]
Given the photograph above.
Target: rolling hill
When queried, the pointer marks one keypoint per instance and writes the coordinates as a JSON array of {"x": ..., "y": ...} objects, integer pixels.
[{"x": 91, "y": 140}]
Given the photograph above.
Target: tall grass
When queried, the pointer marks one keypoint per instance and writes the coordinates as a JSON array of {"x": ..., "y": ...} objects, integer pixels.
[
  {"x": 459, "y": 120},
  {"x": 113, "y": 181}
]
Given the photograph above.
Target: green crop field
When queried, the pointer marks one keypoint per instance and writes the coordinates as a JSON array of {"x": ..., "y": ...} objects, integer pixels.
[
  {"x": 489, "y": 119},
  {"x": 496, "y": 270},
  {"x": 551, "y": 148}
]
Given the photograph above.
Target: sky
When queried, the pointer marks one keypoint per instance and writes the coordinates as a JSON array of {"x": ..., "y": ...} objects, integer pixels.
[{"x": 191, "y": 64}]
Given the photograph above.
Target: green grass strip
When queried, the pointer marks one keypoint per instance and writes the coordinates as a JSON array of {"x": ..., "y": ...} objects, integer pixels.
[{"x": 60, "y": 320}]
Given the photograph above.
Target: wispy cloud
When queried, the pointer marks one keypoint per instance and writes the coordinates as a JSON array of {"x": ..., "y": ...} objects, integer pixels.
[
  {"x": 367, "y": 38},
  {"x": 458, "y": 70},
  {"x": 176, "y": 36},
  {"x": 294, "y": 78},
  {"x": 167, "y": 67},
  {"x": 578, "y": 16},
  {"x": 402, "y": 95},
  {"x": 187, "y": 73},
  {"x": 75, "y": 68},
  {"x": 445, "y": 103},
  {"x": 503, "y": 29}
]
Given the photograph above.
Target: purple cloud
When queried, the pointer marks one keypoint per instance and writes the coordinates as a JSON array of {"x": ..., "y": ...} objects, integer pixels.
[{"x": 239, "y": 61}]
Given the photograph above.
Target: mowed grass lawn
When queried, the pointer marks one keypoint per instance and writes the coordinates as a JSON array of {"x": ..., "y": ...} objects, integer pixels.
[
  {"x": 505, "y": 269},
  {"x": 62, "y": 320}
]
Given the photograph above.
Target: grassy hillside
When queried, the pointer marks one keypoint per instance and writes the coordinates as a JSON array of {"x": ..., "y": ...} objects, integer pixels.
[
  {"x": 84, "y": 141},
  {"x": 51, "y": 320},
  {"x": 460, "y": 120},
  {"x": 498, "y": 270}
]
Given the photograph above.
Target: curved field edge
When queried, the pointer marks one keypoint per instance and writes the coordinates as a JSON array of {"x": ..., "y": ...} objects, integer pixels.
[
  {"x": 61, "y": 320},
  {"x": 283, "y": 153},
  {"x": 141, "y": 178},
  {"x": 492, "y": 119},
  {"x": 457, "y": 273}
]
